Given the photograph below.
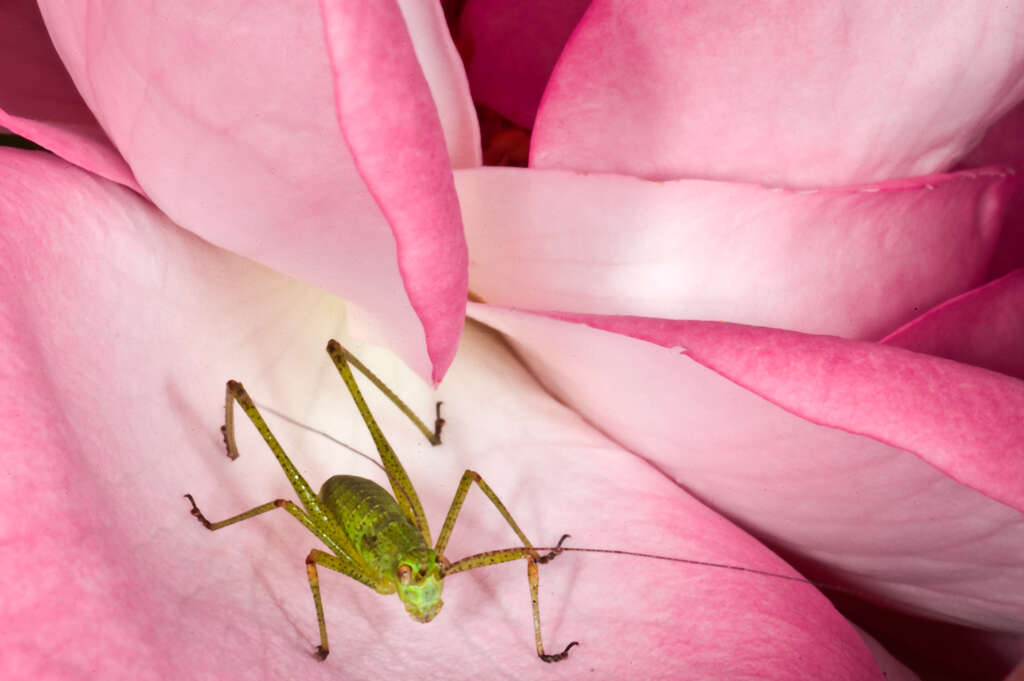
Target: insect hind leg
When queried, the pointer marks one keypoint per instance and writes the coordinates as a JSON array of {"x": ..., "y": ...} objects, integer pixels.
[{"x": 526, "y": 551}]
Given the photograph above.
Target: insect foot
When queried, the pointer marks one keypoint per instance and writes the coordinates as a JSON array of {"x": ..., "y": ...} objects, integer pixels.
[
  {"x": 550, "y": 555},
  {"x": 438, "y": 424},
  {"x": 560, "y": 656},
  {"x": 198, "y": 514},
  {"x": 321, "y": 653}
]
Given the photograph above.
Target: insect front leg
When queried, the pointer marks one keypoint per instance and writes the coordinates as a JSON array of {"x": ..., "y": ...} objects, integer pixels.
[
  {"x": 345, "y": 567},
  {"x": 501, "y": 556}
]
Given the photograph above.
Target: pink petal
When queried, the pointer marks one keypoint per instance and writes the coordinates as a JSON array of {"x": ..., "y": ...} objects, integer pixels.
[
  {"x": 1004, "y": 143},
  {"x": 113, "y": 414},
  {"x": 889, "y": 471},
  {"x": 510, "y": 49},
  {"x": 39, "y": 101},
  {"x": 796, "y": 94},
  {"x": 855, "y": 262},
  {"x": 228, "y": 118},
  {"x": 983, "y": 327},
  {"x": 442, "y": 66},
  {"x": 419, "y": 202}
]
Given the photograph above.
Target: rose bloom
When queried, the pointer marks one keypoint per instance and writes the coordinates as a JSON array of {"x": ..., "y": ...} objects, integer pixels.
[{"x": 757, "y": 300}]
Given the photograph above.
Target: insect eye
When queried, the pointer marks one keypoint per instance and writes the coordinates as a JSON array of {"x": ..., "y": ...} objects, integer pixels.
[{"x": 404, "y": 573}]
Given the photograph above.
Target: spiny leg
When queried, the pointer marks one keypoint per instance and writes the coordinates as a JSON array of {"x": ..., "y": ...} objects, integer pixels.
[
  {"x": 317, "y": 521},
  {"x": 252, "y": 512},
  {"x": 315, "y": 557},
  {"x": 502, "y": 555},
  {"x": 405, "y": 493},
  {"x": 341, "y": 354},
  {"x": 531, "y": 576},
  {"x": 235, "y": 392},
  {"x": 287, "y": 505},
  {"x": 345, "y": 567}
]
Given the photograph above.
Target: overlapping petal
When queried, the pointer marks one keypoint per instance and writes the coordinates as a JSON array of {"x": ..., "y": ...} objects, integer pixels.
[
  {"x": 855, "y": 262},
  {"x": 113, "y": 379},
  {"x": 982, "y": 327},
  {"x": 278, "y": 154},
  {"x": 791, "y": 94},
  {"x": 38, "y": 100},
  {"x": 874, "y": 465},
  {"x": 1003, "y": 143}
]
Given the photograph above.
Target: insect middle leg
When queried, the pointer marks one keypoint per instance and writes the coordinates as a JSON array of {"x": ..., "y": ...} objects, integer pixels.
[
  {"x": 501, "y": 556},
  {"x": 315, "y": 557}
]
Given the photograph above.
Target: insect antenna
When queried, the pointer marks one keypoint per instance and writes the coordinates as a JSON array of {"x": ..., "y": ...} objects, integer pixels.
[
  {"x": 705, "y": 563},
  {"x": 311, "y": 429}
]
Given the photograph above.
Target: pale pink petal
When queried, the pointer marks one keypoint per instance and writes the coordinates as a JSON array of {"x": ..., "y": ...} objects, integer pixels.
[
  {"x": 794, "y": 93},
  {"x": 983, "y": 327},
  {"x": 855, "y": 262},
  {"x": 1004, "y": 144},
  {"x": 892, "y": 472},
  {"x": 510, "y": 49},
  {"x": 227, "y": 117},
  {"x": 118, "y": 330},
  {"x": 446, "y": 76},
  {"x": 39, "y": 102}
]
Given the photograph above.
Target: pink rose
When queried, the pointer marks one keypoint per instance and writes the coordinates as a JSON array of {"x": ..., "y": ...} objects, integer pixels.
[
  {"x": 769, "y": 266},
  {"x": 320, "y": 144}
]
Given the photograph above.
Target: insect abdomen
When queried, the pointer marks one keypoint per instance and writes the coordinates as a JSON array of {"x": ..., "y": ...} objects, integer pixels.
[{"x": 371, "y": 519}]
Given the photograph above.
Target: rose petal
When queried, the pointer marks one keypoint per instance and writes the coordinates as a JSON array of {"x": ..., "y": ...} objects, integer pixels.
[
  {"x": 983, "y": 327},
  {"x": 855, "y": 262},
  {"x": 858, "y": 461},
  {"x": 419, "y": 202},
  {"x": 798, "y": 94},
  {"x": 1004, "y": 143},
  {"x": 510, "y": 49},
  {"x": 228, "y": 119},
  {"x": 39, "y": 101},
  {"x": 442, "y": 66},
  {"x": 114, "y": 414}
]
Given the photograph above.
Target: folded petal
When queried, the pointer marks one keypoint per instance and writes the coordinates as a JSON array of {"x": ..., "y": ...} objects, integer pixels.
[
  {"x": 371, "y": 77},
  {"x": 443, "y": 68},
  {"x": 228, "y": 118},
  {"x": 39, "y": 102},
  {"x": 113, "y": 414},
  {"x": 1003, "y": 143},
  {"x": 792, "y": 94},
  {"x": 983, "y": 327},
  {"x": 890, "y": 471},
  {"x": 856, "y": 262}
]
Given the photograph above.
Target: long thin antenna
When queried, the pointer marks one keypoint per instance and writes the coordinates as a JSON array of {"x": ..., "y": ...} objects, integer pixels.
[
  {"x": 311, "y": 429},
  {"x": 706, "y": 563}
]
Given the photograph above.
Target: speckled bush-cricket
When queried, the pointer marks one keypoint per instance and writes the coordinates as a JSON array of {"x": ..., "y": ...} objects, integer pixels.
[{"x": 375, "y": 538}]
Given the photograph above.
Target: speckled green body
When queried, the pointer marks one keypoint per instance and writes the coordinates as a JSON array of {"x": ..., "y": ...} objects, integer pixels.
[{"x": 370, "y": 517}]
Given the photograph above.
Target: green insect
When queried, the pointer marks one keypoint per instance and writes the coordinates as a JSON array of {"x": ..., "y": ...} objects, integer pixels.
[{"x": 375, "y": 538}]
